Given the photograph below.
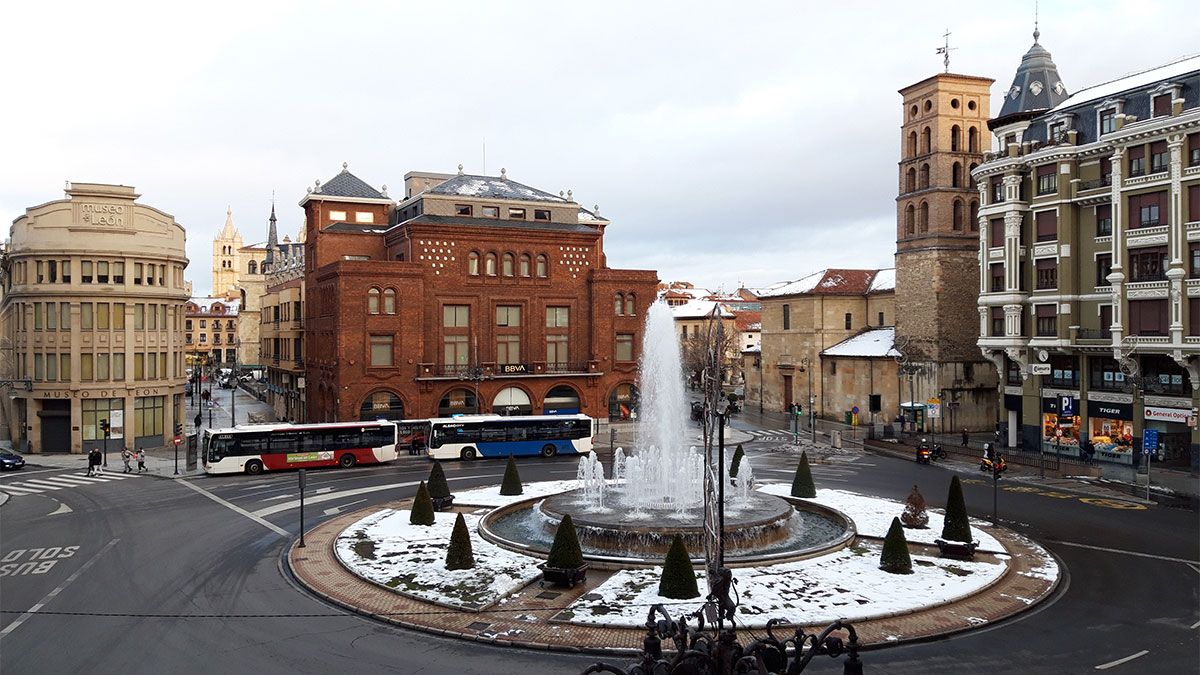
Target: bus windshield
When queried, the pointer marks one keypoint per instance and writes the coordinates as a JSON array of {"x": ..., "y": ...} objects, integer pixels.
[{"x": 219, "y": 446}]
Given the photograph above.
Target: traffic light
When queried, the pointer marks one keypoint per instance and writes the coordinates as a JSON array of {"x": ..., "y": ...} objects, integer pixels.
[
  {"x": 178, "y": 429},
  {"x": 799, "y": 410},
  {"x": 104, "y": 427}
]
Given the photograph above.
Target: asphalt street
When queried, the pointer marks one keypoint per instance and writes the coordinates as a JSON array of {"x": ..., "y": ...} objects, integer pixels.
[{"x": 154, "y": 575}]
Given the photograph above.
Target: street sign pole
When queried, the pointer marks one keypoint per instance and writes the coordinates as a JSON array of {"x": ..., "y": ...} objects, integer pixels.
[{"x": 301, "y": 472}]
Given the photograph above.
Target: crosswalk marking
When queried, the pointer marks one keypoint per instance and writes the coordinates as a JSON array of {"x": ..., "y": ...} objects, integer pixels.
[
  {"x": 65, "y": 481},
  {"x": 20, "y": 490}
]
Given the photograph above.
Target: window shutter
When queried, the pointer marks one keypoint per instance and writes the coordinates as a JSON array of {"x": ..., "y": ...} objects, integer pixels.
[
  {"x": 1046, "y": 311},
  {"x": 1137, "y": 152},
  {"x": 1046, "y": 170},
  {"x": 1194, "y": 202},
  {"x": 1162, "y": 105},
  {"x": 997, "y": 231},
  {"x": 1047, "y": 225}
]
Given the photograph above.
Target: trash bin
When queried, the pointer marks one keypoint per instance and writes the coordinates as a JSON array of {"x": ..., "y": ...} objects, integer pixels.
[
  {"x": 835, "y": 438},
  {"x": 848, "y": 418}
]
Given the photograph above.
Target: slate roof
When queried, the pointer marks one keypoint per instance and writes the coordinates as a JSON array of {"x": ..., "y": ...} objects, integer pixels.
[
  {"x": 1036, "y": 86},
  {"x": 356, "y": 228},
  {"x": 1100, "y": 92},
  {"x": 346, "y": 184},
  {"x": 426, "y": 219},
  {"x": 834, "y": 282},
  {"x": 871, "y": 343},
  {"x": 492, "y": 187}
]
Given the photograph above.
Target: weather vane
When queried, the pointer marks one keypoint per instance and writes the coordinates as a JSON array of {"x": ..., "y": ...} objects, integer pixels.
[{"x": 945, "y": 50}]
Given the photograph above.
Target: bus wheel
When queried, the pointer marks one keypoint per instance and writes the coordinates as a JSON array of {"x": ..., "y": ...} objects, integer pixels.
[
  {"x": 468, "y": 453},
  {"x": 549, "y": 450},
  {"x": 347, "y": 461},
  {"x": 254, "y": 467}
]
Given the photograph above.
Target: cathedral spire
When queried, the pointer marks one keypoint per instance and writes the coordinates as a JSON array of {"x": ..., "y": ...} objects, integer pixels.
[
  {"x": 229, "y": 231},
  {"x": 272, "y": 237}
]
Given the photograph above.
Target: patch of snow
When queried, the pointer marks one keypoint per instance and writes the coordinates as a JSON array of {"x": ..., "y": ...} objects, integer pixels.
[
  {"x": 802, "y": 285},
  {"x": 875, "y": 342},
  {"x": 885, "y": 280},
  {"x": 490, "y": 496},
  {"x": 696, "y": 309},
  {"x": 411, "y": 559},
  {"x": 976, "y": 621},
  {"x": 872, "y": 516}
]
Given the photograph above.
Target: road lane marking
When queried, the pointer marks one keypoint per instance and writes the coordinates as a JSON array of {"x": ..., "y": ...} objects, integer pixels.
[
  {"x": 44, "y": 484},
  {"x": 1127, "y": 659},
  {"x": 1134, "y": 553},
  {"x": 1196, "y": 625},
  {"x": 1195, "y": 567},
  {"x": 237, "y": 509},
  {"x": 87, "y": 480},
  {"x": 62, "y": 508},
  {"x": 50, "y": 596},
  {"x": 343, "y": 507},
  {"x": 330, "y": 496},
  {"x": 19, "y": 490},
  {"x": 65, "y": 482}
]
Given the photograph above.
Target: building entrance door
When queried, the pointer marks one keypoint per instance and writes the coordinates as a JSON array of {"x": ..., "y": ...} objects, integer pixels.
[
  {"x": 56, "y": 426},
  {"x": 787, "y": 393}
]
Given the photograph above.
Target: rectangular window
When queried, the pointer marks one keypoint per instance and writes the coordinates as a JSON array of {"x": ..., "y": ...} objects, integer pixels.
[
  {"x": 203, "y": 338},
  {"x": 1047, "y": 179},
  {"x": 151, "y": 367},
  {"x": 52, "y": 366},
  {"x": 1194, "y": 203},
  {"x": 41, "y": 275},
  {"x": 491, "y": 212},
  {"x": 85, "y": 271},
  {"x": 102, "y": 322},
  {"x": 39, "y": 367},
  {"x": 997, "y": 190},
  {"x": 787, "y": 317},
  {"x": 516, "y": 214},
  {"x": 364, "y": 217},
  {"x": 1137, "y": 160},
  {"x": 139, "y": 366},
  {"x": 996, "y": 232},
  {"x": 139, "y": 316},
  {"x": 456, "y": 316},
  {"x": 463, "y": 210},
  {"x": 1047, "y": 225},
  {"x": 1106, "y": 170},
  {"x": 64, "y": 320},
  {"x": 150, "y": 275},
  {"x": 881, "y": 318},
  {"x": 1193, "y": 149},
  {"x": 337, "y": 216},
  {"x": 203, "y": 323},
  {"x": 153, "y": 316},
  {"x": 454, "y": 350},
  {"x": 118, "y": 366},
  {"x": 1108, "y": 121},
  {"x": 148, "y": 415},
  {"x": 849, "y": 320},
  {"x": 64, "y": 367},
  {"x": 118, "y": 272},
  {"x": 102, "y": 367},
  {"x": 52, "y": 266},
  {"x": 1105, "y": 321},
  {"x": 118, "y": 316},
  {"x": 1148, "y": 264},
  {"x": 65, "y": 265},
  {"x": 541, "y": 214},
  {"x": 508, "y": 316},
  {"x": 1194, "y": 317},
  {"x": 138, "y": 273},
  {"x": 1162, "y": 105},
  {"x": 85, "y": 316},
  {"x": 997, "y": 274},
  {"x": 1145, "y": 210},
  {"x": 1047, "y": 320},
  {"x": 1158, "y": 157},
  {"x": 997, "y": 316},
  {"x": 1103, "y": 269},
  {"x": 1104, "y": 220},
  {"x": 1194, "y": 260},
  {"x": 37, "y": 316},
  {"x": 381, "y": 351},
  {"x": 556, "y": 349},
  {"x": 51, "y": 316},
  {"x": 558, "y": 317},
  {"x": 508, "y": 349},
  {"x": 1047, "y": 273},
  {"x": 1148, "y": 317},
  {"x": 624, "y": 346},
  {"x": 162, "y": 364}
]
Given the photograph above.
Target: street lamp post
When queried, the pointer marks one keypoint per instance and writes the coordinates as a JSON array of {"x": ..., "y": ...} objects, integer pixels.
[
  {"x": 233, "y": 390},
  {"x": 758, "y": 362}
]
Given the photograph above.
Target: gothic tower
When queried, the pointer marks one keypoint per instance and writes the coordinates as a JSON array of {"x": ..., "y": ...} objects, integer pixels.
[
  {"x": 225, "y": 258},
  {"x": 937, "y": 244}
]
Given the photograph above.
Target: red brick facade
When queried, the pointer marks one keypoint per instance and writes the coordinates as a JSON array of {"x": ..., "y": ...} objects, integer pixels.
[{"x": 426, "y": 265}]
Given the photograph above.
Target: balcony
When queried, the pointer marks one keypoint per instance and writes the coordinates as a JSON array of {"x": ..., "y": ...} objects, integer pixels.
[
  {"x": 1093, "y": 335},
  {"x": 1094, "y": 184},
  {"x": 566, "y": 367},
  {"x": 488, "y": 370}
]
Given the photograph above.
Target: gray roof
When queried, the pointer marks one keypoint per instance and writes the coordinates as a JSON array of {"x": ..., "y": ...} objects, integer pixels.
[
  {"x": 426, "y": 219},
  {"x": 346, "y": 184},
  {"x": 492, "y": 187},
  {"x": 1036, "y": 86},
  {"x": 356, "y": 228}
]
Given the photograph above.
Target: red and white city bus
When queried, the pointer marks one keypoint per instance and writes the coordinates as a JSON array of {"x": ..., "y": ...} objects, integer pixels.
[{"x": 270, "y": 447}]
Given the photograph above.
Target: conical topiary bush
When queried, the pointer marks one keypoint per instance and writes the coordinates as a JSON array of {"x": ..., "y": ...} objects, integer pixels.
[
  {"x": 678, "y": 577},
  {"x": 565, "y": 553},
  {"x": 914, "y": 515},
  {"x": 802, "y": 484},
  {"x": 737, "y": 461},
  {"x": 895, "y": 558},
  {"x": 460, "y": 556},
  {"x": 957, "y": 526},
  {"x": 511, "y": 485},
  {"x": 422, "y": 508},
  {"x": 438, "y": 487}
]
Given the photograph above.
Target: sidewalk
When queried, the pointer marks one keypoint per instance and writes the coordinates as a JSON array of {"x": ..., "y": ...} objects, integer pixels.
[{"x": 160, "y": 462}]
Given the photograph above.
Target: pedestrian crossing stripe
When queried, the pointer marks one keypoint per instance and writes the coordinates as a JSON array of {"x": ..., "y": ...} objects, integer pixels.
[{"x": 60, "y": 482}]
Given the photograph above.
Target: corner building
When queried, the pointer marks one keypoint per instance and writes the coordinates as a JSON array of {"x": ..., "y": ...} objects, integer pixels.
[
  {"x": 472, "y": 294},
  {"x": 1090, "y": 243},
  {"x": 93, "y": 307}
]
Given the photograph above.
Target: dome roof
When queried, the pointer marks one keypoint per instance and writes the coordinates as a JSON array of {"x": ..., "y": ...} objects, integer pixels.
[{"x": 1037, "y": 86}]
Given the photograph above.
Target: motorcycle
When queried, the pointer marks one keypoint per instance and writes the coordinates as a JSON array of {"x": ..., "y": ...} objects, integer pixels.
[
  {"x": 923, "y": 452},
  {"x": 998, "y": 466},
  {"x": 938, "y": 452}
]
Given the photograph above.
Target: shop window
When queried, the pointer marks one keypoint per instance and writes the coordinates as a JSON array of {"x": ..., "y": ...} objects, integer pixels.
[{"x": 1164, "y": 376}]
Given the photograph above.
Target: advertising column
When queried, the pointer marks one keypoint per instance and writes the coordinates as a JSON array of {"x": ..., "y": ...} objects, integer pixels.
[{"x": 1111, "y": 428}]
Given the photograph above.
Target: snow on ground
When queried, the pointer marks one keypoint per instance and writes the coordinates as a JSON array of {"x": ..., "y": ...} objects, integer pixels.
[
  {"x": 490, "y": 496},
  {"x": 411, "y": 559},
  {"x": 872, "y": 516},
  {"x": 847, "y": 584}
]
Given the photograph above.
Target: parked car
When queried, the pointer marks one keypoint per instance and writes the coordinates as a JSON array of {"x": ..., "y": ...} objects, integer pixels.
[{"x": 10, "y": 460}]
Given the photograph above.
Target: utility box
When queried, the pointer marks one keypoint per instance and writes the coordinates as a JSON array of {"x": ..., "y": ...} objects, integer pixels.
[{"x": 835, "y": 438}]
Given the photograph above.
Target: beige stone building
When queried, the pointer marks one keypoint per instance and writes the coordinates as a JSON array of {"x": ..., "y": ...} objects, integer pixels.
[
  {"x": 803, "y": 319},
  {"x": 211, "y": 330},
  {"x": 93, "y": 316},
  {"x": 691, "y": 323},
  {"x": 282, "y": 331},
  {"x": 942, "y": 135},
  {"x": 240, "y": 268}
]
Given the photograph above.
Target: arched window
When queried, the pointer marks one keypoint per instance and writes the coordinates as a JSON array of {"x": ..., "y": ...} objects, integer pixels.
[
  {"x": 926, "y": 140},
  {"x": 912, "y": 144},
  {"x": 489, "y": 265},
  {"x": 974, "y": 216},
  {"x": 541, "y": 266},
  {"x": 911, "y": 184},
  {"x": 923, "y": 218},
  {"x": 955, "y": 137},
  {"x": 252, "y": 267},
  {"x": 524, "y": 264},
  {"x": 956, "y": 175},
  {"x": 381, "y": 405},
  {"x": 389, "y": 301},
  {"x": 958, "y": 215},
  {"x": 373, "y": 301},
  {"x": 629, "y": 304},
  {"x": 619, "y": 304},
  {"x": 924, "y": 176},
  {"x": 473, "y": 264},
  {"x": 507, "y": 265},
  {"x": 973, "y": 140},
  {"x": 971, "y": 177},
  {"x": 910, "y": 219}
]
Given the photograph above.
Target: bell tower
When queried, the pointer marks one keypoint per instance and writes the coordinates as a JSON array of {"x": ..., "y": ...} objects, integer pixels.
[
  {"x": 937, "y": 245},
  {"x": 225, "y": 258}
]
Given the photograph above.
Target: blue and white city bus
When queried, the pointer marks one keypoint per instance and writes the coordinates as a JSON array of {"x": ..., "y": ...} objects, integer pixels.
[{"x": 472, "y": 436}]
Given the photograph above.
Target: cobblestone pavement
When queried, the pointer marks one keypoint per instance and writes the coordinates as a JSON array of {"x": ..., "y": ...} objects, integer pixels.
[{"x": 526, "y": 618}]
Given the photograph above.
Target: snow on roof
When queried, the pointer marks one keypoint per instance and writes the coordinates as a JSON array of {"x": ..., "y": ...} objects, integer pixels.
[
  {"x": 205, "y": 303},
  {"x": 698, "y": 309},
  {"x": 876, "y": 342},
  {"x": 1104, "y": 90},
  {"x": 835, "y": 282},
  {"x": 802, "y": 285},
  {"x": 885, "y": 280}
]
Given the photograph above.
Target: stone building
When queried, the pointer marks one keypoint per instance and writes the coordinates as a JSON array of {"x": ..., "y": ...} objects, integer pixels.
[
  {"x": 473, "y": 294},
  {"x": 802, "y": 319},
  {"x": 211, "y": 329},
  {"x": 942, "y": 135},
  {"x": 93, "y": 316},
  {"x": 691, "y": 324},
  {"x": 1090, "y": 228},
  {"x": 240, "y": 269},
  {"x": 282, "y": 331}
]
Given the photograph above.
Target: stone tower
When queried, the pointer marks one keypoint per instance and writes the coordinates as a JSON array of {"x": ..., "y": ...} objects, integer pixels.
[
  {"x": 225, "y": 258},
  {"x": 937, "y": 246}
]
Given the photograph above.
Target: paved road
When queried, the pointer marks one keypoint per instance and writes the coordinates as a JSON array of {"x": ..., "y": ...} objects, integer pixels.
[{"x": 151, "y": 575}]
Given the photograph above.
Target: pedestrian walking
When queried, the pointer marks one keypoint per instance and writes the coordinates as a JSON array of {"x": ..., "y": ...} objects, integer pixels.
[
  {"x": 93, "y": 460},
  {"x": 126, "y": 456},
  {"x": 966, "y": 438},
  {"x": 141, "y": 459}
]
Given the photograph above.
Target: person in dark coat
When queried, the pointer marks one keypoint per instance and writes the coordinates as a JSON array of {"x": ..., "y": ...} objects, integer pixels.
[
  {"x": 93, "y": 461},
  {"x": 966, "y": 438}
]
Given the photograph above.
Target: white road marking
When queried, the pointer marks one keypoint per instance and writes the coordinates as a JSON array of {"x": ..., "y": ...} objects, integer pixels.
[
  {"x": 1134, "y": 553},
  {"x": 62, "y": 508},
  {"x": 1196, "y": 625},
  {"x": 87, "y": 479},
  {"x": 43, "y": 484},
  {"x": 26, "y": 472},
  {"x": 1110, "y": 664},
  {"x": 1195, "y": 567},
  {"x": 343, "y": 507},
  {"x": 18, "y": 490},
  {"x": 50, "y": 596},
  {"x": 237, "y": 509},
  {"x": 58, "y": 480},
  {"x": 287, "y": 506}
]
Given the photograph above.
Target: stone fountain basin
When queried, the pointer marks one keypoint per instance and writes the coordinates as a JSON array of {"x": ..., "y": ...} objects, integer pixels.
[{"x": 613, "y": 539}]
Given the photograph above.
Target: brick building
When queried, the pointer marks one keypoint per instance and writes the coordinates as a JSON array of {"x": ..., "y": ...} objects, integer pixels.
[{"x": 472, "y": 294}]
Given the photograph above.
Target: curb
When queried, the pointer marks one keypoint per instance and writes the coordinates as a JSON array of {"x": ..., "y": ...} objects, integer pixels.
[
  {"x": 1030, "y": 480},
  {"x": 4, "y": 497}
]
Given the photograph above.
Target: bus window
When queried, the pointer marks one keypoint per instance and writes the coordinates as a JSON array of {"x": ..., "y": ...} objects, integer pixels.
[
  {"x": 283, "y": 442},
  {"x": 252, "y": 444},
  {"x": 218, "y": 448}
]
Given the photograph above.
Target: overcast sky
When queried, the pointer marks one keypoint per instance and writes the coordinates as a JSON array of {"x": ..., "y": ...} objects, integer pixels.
[{"x": 727, "y": 142}]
